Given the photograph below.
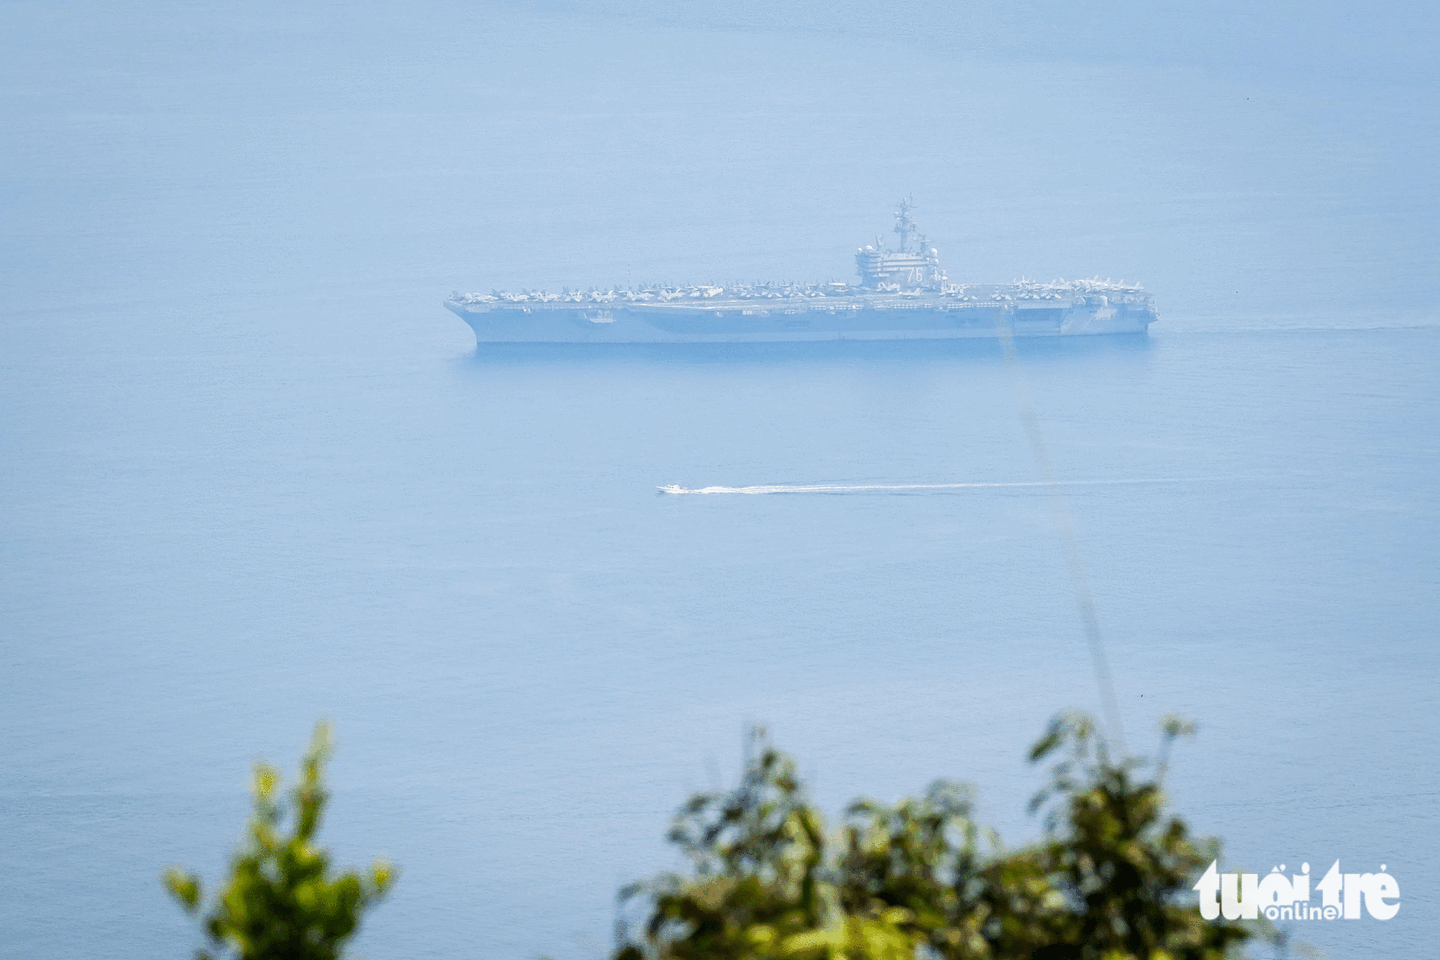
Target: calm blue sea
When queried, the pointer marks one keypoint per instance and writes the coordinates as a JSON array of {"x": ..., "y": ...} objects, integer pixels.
[{"x": 252, "y": 474}]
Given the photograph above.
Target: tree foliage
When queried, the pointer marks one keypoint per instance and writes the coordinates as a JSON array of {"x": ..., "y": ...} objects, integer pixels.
[
  {"x": 282, "y": 901},
  {"x": 1110, "y": 880}
]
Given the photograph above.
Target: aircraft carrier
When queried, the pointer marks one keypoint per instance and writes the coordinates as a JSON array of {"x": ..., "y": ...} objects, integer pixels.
[{"x": 903, "y": 294}]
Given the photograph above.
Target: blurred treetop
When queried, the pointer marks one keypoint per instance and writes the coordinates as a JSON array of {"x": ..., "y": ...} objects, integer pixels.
[
  {"x": 920, "y": 880},
  {"x": 282, "y": 901}
]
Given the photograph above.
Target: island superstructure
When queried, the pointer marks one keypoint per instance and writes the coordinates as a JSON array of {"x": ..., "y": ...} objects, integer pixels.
[{"x": 903, "y": 294}]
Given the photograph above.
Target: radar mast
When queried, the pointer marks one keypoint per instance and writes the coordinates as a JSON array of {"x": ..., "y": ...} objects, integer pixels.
[{"x": 904, "y": 226}]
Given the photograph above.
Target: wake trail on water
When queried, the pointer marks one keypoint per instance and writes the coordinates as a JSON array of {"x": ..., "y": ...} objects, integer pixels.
[{"x": 675, "y": 488}]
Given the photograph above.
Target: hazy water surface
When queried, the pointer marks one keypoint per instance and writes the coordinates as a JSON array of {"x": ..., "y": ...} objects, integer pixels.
[{"x": 253, "y": 474}]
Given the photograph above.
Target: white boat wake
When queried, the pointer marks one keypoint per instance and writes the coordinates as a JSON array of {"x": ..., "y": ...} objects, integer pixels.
[{"x": 675, "y": 488}]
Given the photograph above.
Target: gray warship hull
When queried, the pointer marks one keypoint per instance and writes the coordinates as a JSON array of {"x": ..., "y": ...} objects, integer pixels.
[{"x": 846, "y": 318}]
